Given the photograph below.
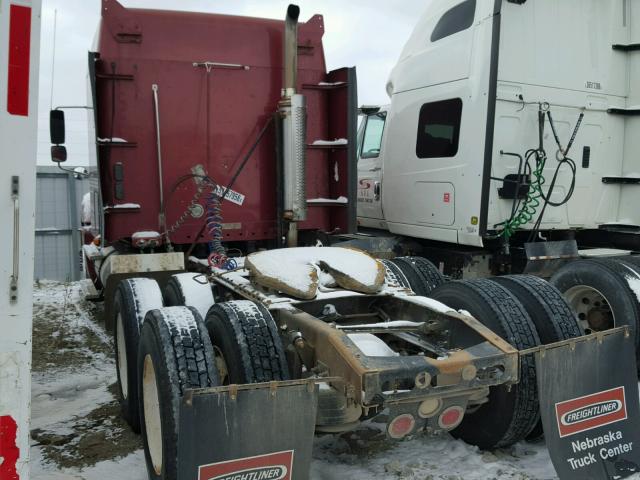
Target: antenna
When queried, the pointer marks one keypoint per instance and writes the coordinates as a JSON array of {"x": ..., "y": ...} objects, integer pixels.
[{"x": 53, "y": 57}]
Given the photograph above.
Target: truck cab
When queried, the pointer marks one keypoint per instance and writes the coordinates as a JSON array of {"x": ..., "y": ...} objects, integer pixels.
[{"x": 496, "y": 129}]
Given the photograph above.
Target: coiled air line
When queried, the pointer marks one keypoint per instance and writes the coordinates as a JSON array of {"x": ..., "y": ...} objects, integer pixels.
[{"x": 524, "y": 210}]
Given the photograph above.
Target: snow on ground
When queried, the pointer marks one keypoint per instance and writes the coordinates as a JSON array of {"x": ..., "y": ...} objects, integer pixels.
[{"x": 77, "y": 432}]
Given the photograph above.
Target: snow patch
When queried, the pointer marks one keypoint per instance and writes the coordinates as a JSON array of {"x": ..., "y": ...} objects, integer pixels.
[
  {"x": 371, "y": 345},
  {"x": 148, "y": 296},
  {"x": 87, "y": 208},
  {"x": 342, "y": 200},
  {"x": 196, "y": 291},
  {"x": 634, "y": 284},
  {"x": 296, "y": 269},
  {"x": 112, "y": 140},
  {"x": 143, "y": 235},
  {"x": 122, "y": 205},
  {"x": 391, "y": 324},
  {"x": 180, "y": 318},
  {"x": 337, "y": 141},
  {"x": 429, "y": 303}
]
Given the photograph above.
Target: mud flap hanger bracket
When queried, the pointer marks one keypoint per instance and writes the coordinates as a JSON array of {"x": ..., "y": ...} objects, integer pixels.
[{"x": 598, "y": 336}]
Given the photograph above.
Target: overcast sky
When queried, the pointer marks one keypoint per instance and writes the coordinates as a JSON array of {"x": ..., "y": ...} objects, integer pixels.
[{"x": 366, "y": 33}]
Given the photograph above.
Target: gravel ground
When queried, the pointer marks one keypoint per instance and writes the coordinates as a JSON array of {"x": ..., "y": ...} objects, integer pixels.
[{"x": 78, "y": 434}]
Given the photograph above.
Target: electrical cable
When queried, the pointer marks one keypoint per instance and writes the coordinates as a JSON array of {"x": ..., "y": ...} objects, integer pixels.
[{"x": 526, "y": 209}]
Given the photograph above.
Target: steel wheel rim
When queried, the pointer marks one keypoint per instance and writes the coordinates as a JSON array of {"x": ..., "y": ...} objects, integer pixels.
[
  {"x": 123, "y": 365},
  {"x": 221, "y": 365},
  {"x": 592, "y": 308},
  {"x": 151, "y": 405}
]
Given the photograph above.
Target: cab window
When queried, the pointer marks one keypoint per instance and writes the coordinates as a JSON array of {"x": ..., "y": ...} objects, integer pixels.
[
  {"x": 439, "y": 129},
  {"x": 372, "y": 139},
  {"x": 455, "y": 20}
]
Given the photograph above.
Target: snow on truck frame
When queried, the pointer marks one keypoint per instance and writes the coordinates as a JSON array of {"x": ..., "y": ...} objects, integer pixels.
[{"x": 180, "y": 125}]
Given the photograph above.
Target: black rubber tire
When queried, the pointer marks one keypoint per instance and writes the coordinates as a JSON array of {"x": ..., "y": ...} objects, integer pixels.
[
  {"x": 610, "y": 278},
  {"x": 177, "y": 343},
  {"x": 554, "y": 319},
  {"x": 393, "y": 274},
  {"x": 172, "y": 294},
  {"x": 129, "y": 303},
  {"x": 423, "y": 276},
  {"x": 508, "y": 416},
  {"x": 175, "y": 296},
  {"x": 630, "y": 259},
  {"x": 247, "y": 336}
]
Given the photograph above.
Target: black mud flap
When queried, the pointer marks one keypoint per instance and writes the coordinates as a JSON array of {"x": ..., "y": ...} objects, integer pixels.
[
  {"x": 247, "y": 432},
  {"x": 589, "y": 405}
]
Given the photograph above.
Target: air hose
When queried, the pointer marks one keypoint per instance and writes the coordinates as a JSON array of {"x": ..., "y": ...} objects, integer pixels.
[
  {"x": 529, "y": 206},
  {"x": 525, "y": 211},
  {"x": 218, "y": 256},
  {"x": 213, "y": 219}
]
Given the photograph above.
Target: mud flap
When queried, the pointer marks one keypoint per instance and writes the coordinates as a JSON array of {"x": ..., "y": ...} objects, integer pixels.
[
  {"x": 247, "y": 432},
  {"x": 589, "y": 405}
]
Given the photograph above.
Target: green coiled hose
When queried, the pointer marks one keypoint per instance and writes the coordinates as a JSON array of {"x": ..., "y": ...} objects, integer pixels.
[{"x": 530, "y": 204}]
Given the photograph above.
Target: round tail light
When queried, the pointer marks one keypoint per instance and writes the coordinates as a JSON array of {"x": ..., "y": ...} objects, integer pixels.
[
  {"x": 451, "y": 417},
  {"x": 401, "y": 426}
]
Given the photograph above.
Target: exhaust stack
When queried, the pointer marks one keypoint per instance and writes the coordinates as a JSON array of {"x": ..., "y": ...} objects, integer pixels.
[
  {"x": 291, "y": 50},
  {"x": 294, "y": 115}
]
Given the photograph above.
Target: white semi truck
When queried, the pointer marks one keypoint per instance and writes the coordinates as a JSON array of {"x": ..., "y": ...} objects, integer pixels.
[
  {"x": 510, "y": 145},
  {"x": 19, "y": 57}
]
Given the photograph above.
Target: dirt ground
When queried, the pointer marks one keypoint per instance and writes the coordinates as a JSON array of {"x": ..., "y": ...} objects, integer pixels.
[{"x": 67, "y": 340}]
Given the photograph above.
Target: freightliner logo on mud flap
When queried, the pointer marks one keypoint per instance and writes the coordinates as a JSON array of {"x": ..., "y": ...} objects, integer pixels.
[
  {"x": 591, "y": 411},
  {"x": 273, "y": 466}
]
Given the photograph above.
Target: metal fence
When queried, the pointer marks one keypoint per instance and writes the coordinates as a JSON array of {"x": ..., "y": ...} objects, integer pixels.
[{"x": 58, "y": 237}]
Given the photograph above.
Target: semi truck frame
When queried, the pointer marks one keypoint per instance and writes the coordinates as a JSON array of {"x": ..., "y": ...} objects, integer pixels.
[{"x": 210, "y": 157}]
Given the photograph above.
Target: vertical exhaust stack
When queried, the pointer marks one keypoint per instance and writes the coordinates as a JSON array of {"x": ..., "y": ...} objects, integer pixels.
[{"x": 294, "y": 115}]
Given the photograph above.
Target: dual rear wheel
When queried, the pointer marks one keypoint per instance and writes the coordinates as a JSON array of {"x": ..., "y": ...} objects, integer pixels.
[
  {"x": 163, "y": 351},
  {"x": 524, "y": 310}
]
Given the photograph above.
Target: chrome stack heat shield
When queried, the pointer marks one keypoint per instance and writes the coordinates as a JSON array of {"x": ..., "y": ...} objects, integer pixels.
[{"x": 293, "y": 111}]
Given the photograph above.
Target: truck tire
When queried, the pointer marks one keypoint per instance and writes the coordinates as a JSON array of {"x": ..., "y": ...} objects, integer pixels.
[
  {"x": 393, "y": 274},
  {"x": 175, "y": 354},
  {"x": 510, "y": 414},
  {"x": 603, "y": 293},
  {"x": 185, "y": 290},
  {"x": 422, "y": 275},
  {"x": 247, "y": 346},
  {"x": 133, "y": 298},
  {"x": 554, "y": 319}
]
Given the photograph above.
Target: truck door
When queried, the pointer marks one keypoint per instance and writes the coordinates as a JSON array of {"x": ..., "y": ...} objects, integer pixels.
[{"x": 370, "y": 171}]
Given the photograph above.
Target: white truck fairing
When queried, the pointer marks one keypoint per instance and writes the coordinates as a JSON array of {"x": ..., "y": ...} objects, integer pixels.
[
  {"x": 19, "y": 57},
  {"x": 468, "y": 87}
]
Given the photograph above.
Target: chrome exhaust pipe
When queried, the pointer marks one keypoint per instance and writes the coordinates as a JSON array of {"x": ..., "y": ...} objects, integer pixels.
[{"x": 293, "y": 111}]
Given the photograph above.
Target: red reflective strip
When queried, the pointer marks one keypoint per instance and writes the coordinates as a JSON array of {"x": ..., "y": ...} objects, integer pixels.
[
  {"x": 19, "y": 54},
  {"x": 8, "y": 449}
]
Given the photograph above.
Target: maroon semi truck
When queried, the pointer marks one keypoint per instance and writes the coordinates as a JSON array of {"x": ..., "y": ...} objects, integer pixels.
[
  {"x": 190, "y": 106},
  {"x": 219, "y": 140}
]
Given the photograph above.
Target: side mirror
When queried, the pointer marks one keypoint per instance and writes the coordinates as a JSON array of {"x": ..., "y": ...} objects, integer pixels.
[
  {"x": 56, "y": 127},
  {"x": 58, "y": 153}
]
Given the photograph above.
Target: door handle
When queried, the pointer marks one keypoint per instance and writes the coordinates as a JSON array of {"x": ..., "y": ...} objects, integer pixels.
[
  {"x": 376, "y": 191},
  {"x": 375, "y": 169},
  {"x": 13, "y": 282}
]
